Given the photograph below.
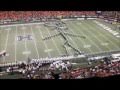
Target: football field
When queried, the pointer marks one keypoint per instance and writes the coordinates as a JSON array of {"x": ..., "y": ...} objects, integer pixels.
[{"x": 26, "y": 40}]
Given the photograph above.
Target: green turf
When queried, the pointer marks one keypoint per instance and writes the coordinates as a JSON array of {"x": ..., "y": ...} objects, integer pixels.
[{"x": 97, "y": 40}]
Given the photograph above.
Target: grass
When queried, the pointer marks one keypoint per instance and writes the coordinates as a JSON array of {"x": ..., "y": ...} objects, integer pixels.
[{"x": 97, "y": 40}]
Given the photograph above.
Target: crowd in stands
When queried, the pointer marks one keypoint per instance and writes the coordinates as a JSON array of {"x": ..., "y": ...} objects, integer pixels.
[
  {"x": 29, "y": 71},
  {"x": 111, "y": 15},
  {"x": 37, "y": 70},
  {"x": 104, "y": 69},
  {"x": 30, "y": 15},
  {"x": 51, "y": 71},
  {"x": 47, "y": 71},
  {"x": 27, "y": 15}
]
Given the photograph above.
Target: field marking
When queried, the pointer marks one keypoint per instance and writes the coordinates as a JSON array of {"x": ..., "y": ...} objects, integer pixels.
[
  {"x": 26, "y": 52},
  {"x": 73, "y": 42},
  {"x": 94, "y": 34},
  {"x": 87, "y": 25},
  {"x": 90, "y": 39},
  {"x": 26, "y": 24},
  {"x": 0, "y": 38},
  {"x": 7, "y": 40},
  {"x": 54, "y": 42},
  {"x": 79, "y": 38},
  {"x": 106, "y": 27},
  {"x": 116, "y": 39},
  {"x": 15, "y": 44},
  {"x": 69, "y": 50},
  {"x": 6, "y": 43},
  {"x": 23, "y": 27},
  {"x": 26, "y": 49},
  {"x": 62, "y": 41},
  {"x": 107, "y": 37},
  {"x": 110, "y": 41},
  {"x": 7, "y": 28},
  {"x": 104, "y": 44},
  {"x": 35, "y": 42},
  {"x": 118, "y": 36},
  {"x": 48, "y": 50},
  {"x": 87, "y": 46},
  {"x": 43, "y": 41},
  {"x": 0, "y": 43}
]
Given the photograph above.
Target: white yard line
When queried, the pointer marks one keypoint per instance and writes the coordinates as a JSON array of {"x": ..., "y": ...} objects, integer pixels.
[
  {"x": 73, "y": 42},
  {"x": 62, "y": 41},
  {"x": 44, "y": 42},
  {"x": 80, "y": 39},
  {"x": 26, "y": 24},
  {"x": 15, "y": 44},
  {"x": 103, "y": 37},
  {"x": 35, "y": 43},
  {"x": 108, "y": 39},
  {"x": 92, "y": 41},
  {"x": 54, "y": 42},
  {"x": 96, "y": 36},
  {"x": 7, "y": 40},
  {"x": 0, "y": 38},
  {"x": 59, "y": 37},
  {"x": 116, "y": 39},
  {"x": 6, "y": 44},
  {"x": 26, "y": 49}
]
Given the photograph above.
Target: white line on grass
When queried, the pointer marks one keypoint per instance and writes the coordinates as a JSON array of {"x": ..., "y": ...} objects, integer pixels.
[
  {"x": 107, "y": 38},
  {"x": 96, "y": 36},
  {"x": 15, "y": 44},
  {"x": 73, "y": 42},
  {"x": 54, "y": 42},
  {"x": 92, "y": 41},
  {"x": 44, "y": 42},
  {"x": 0, "y": 41},
  {"x": 63, "y": 42},
  {"x": 26, "y": 49},
  {"x": 35, "y": 42},
  {"x": 26, "y": 24},
  {"x": 116, "y": 39},
  {"x": 0, "y": 38},
  {"x": 6, "y": 42},
  {"x": 79, "y": 38}
]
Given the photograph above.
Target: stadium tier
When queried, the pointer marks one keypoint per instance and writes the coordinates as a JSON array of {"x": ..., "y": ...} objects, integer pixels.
[{"x": 60, "y": 42}]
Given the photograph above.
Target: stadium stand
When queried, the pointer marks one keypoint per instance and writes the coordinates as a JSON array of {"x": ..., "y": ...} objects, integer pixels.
[
  {"x": 9, "y": 16},
  {"x": 48, "y": 70},
  {"x": 64, "y": 70},
  {"x": 111, "y": 15}
]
